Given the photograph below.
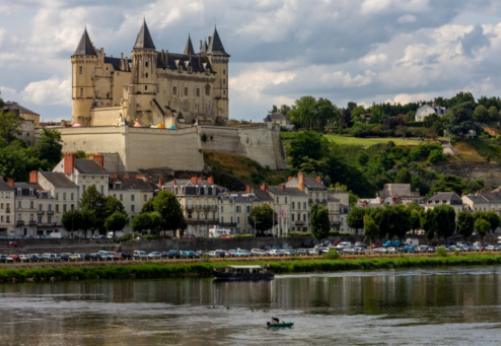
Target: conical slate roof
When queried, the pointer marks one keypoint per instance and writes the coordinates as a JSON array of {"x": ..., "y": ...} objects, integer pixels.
[
  {"x": 144, "y": 39},
  {"x": 85, "y": 46},
  {"x": 188, "y": 49},
  {"x": 215, "y": 44}
]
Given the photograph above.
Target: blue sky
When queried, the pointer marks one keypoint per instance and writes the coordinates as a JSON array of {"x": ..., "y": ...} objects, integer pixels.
[{"x": 366, "y": 51}]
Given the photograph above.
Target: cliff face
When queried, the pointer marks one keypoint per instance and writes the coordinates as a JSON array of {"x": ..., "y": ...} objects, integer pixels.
[{"x": 490, "y": 173}]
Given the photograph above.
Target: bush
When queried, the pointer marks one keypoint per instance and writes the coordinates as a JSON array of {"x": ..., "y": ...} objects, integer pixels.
[
  {"x": 332, "y": 254},
  {"x": 441, "y": 251}
]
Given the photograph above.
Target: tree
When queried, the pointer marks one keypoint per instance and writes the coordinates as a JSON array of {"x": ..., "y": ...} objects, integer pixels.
[
  {"x": 113, "y": 205},
  {"x": 465, "y": 224},
  {"x": 95, "y": 204},
  {"x": 147, "y": 221},
  {"x": 88, "y": 221},
  {"x": 440, "y": 222},
  {"x": 481, "y": 113},
  {"x": 167, "y": 205},
  {"x": 306, "y": 145},
  {"x": 49, "y": 148},
  {"x": 9, "y": 126},
  {"x": 371, "y": 229},
  {"x": 303, "y": 113},
  {"x": 116, "y": 222},
  {"x": 72, "y": 221},
  {"x": 490, "y": 217},
  {"x": 319, "y": 221},
  {"x": 356, "y": 218},
  {"x": 261, "y": 218},
  {"x": 482, "y": 227}
]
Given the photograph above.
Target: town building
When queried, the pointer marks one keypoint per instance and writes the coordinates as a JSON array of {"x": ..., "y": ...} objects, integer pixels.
[
  {"x": 279, "y": 119},
  {"x": 151, "y": 88},
  {"x": 395, "y": 193},
  {"x": 132, "y": 192},
  {"x": 198, "y": 198},
  {"x": 445, "y": 198},
  {"x": 7, "y": 200},
  {"x": 29, "y": 121},
  {"x": 484, "y": 201}
]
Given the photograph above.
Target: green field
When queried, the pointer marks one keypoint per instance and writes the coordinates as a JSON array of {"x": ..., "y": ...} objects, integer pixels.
[{"x": 367, "y": 142}]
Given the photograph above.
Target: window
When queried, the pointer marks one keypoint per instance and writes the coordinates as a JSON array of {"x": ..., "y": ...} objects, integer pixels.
[
  {"x": 292, "y": 216},
  {"x": 132, "y": 197},
  {"x": 64, "y": 208},
  {"x": 49, "y": 218},
  {"x": 72, "y": 196},
  {"x": 57, "y": 208},
  {"x": 207, "y": 90},
  {"x": 185, "y": 91},
  {"x": 121, "y": 197},
  {"x": 198, "y": 91},
  {"x": 132, "y": 208},
  {"x": 19, "y": 205},
  {"x": 102, "y": 189},
  {"x": 81, "y": 92},
  {"x": 293, "y": 205},
  {"x": 39, "y": 207},
  {"x": 237, "y": 209},
  {"x": 224, "y": 71},
  {"x": 80, "y": 69},
  {"x": 32, "y": 205},
  {"x": 64, "y": 196},
  {"x": 146, "y": 75},
  {"x": 39, "y": 219},
  {"x": 174, "y": 90},
  {"x": 7, "y": 219},
  {"x": 146, "y": 64},
  {"x": 57, "y": 195},
  {"x": 145, "y": 88},
  {"x": 145, "y": 198}
]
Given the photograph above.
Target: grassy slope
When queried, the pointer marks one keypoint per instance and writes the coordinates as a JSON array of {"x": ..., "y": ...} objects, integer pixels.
[{"x": 367, "y": 142}]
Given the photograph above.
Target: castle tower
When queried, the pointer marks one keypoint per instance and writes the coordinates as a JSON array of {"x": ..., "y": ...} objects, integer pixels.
[
  {"x": 219, "y": 61},
  {"x": 83, "y": 64},
  {"x": 188, "y": 49},
  {"x": 144, "y": 79}
]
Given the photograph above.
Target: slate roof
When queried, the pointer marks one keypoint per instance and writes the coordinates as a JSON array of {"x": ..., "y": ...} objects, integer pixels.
[
  {"x": 196, "y": 62},
  {"x": 85, "y": 46},
  {"x": 132, "y": 184},
  {"x": 143, "y": 39},
  {"x": 288, "y": 191},
  {"x": 88, "y": 167},
  {"x": 275, "y": 117},
  {"x": 486, "y": 197},
  {"x": 4, "y": 186},
  {"x": 188, "y": 49},
  {"x": 59, "y": 180},
  {"x": 216, "y": 45},
  {"x": 451, "y": 197},
  {"x": 17, "y": 108},
  {"x": 309, "y": 182}
]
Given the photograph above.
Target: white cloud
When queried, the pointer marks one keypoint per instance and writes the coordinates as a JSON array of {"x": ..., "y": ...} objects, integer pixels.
[
  {"x": 408, "y": 18},
  {"x": 374, "y": 59},
  {"x": 53, "y": 91}
]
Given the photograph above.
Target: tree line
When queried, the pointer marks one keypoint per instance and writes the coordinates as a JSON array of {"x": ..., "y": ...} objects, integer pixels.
[{"x": 438, "y": 223}]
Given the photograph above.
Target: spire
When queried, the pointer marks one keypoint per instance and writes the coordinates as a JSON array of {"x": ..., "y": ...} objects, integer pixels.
[
  {"x": 85, "y": 46},
  {"x": 188, "y": 49},
  {"x": 144, "y": 39},
  {"x": 215, "y": 44}
]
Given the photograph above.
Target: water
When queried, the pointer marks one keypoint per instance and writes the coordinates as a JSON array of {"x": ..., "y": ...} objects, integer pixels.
[{"x": 459, "y": 306}]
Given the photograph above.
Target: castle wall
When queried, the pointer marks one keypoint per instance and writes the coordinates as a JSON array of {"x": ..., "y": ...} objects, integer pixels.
[
  {"x": 180, "y": 150},
  {"x": 105, "y": 116}
]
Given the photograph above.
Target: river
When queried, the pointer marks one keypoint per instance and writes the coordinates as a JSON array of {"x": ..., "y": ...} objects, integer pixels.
[{"x": 454, "y": 306}]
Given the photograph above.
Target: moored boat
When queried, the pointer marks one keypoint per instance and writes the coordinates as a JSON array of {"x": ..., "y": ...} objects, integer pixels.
[{"x": 243, "y": 273}]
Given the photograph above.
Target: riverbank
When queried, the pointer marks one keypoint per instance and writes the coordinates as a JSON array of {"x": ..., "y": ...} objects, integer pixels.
[{"x": 106, "y": 271}]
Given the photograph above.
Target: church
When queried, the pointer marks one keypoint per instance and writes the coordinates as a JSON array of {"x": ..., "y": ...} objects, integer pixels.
[{"x": 152, "y": 88}]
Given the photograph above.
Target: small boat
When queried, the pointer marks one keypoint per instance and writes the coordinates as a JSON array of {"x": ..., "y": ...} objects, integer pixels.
[
  {"x": 276, "y": 323},
  {"x": 243, "y": 273}
]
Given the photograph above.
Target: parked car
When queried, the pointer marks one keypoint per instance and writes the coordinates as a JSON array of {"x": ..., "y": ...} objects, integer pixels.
[
  {"x": 258, "y": 252},
  {"x": 170, "y": 254},
  {"x": 155, "y": 255},
  {"x": 139, "y": 254}
]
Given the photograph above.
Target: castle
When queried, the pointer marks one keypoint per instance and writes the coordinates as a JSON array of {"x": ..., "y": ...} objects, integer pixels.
[{"x": 152, "y": 88}]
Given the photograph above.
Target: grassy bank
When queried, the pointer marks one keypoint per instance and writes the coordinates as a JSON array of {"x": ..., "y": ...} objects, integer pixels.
[{"x": 204, "y": 269}]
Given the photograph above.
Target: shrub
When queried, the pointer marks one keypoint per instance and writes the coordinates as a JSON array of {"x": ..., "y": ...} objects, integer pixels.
[
  {"x": 332, "y": 254},
  {"x": 441, "y": 251}
]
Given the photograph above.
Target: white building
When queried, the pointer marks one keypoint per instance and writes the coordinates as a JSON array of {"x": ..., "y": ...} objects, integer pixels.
[
  {"x": 7, "y": 200},
  {"x": 484, "y": 201}
]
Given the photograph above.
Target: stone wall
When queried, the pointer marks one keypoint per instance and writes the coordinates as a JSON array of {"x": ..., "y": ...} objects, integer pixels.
[{"x": 133, "y": 149}]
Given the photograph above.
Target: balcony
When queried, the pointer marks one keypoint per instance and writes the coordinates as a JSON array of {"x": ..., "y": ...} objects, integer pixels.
[{"x": 19, "y": 223}]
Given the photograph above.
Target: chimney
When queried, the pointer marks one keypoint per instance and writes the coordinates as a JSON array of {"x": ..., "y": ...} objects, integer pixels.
[
  {"x": 210, "y": 180},
  {"x": 99, "y": 159},
  {"x": 300, "y": 181},
  {"x": 194, "y": 180},
  {"x": 263, "y": 187},
  {"x": 69, "y": 163},
  {"x": 248, "y": 189},
  {"x": 318, "y": 179},
  {"x": 33, "y": 177},
  {"x": 161, "y": 181},
  {"x": 289, "y": 178},
  {"x": 141, "y": 177},
  {"x": 11, "y": 183},
  {"x": 282, "y": 187}
]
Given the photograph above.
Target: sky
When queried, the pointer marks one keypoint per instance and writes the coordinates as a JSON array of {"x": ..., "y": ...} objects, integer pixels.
[{"x": 346, "y": 50}]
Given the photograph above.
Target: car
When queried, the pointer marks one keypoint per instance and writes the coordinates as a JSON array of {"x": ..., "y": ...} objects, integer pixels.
[
  {"x": 155, "y": 255},
  {"x": 34, "y": 257},
  {"x": 170, "y": 254},
  {"x": 75, "y": 257},
  {"x": 301, "y": 252},
  {"x": 188, "y": 254},
  {"x": 91, "y": 256},
  {"x": 258, "y": 252},
  {"x": 489, "y": 247},
  {"x": 104, "y": 255},
  {"x": 217, "y": 253},
  {"x": 140, "y": 254},
  {"x": 380, "y": 250},
  {"x": 124, "y": 255},
  {"x": 24, "y": 258},
  {"x": 313, "y": 251}
]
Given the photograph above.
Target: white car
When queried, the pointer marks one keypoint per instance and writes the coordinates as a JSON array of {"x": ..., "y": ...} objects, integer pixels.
[{"x": 380, "y": 250}]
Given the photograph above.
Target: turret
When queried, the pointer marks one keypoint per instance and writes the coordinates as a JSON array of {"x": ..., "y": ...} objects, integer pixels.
[
  {"x": 83, "y": 63},
  {"x": 144, "y": 77},
  {"x": 188, "y": 49},
  {"x": 219, "y": 61}
]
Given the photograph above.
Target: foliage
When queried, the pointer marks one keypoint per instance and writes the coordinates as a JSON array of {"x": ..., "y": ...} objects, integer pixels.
[
  {"x": 332, "y": 254},
  {"x": 116, "y": 222},
  {"x": 72, "y": 220},
  {"x": 440, "y": 222},
  {"x": 168, "y": 216},
  {"x": 356, "y": 218},
  {"x": 482, "y": 227},
  {"x": 319, "y": 221},
  {"x": 310, "y": 113},
  {"x": 465, "y": 224},
  {"x": 94, "y": 203},
  {"x": 262, "y": 218},
  {"x": 371, "y": 229},
  {"x": 48, "y": 148},
  {"x": 491, "y": 217},
  {"x": 441, "y": 251},
  {"x": 9, "y": 126}
]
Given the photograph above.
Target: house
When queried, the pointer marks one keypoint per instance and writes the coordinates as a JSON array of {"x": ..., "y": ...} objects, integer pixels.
[
  {"x": 426, "y": 110},
  {"x": 279, "y": 119},
  {"x": 484, "y": 201},
  {"x": 292, "y": 207},
  {"x": 29, "y": 121},
  {"x": 338, "y": 204},
  {"x": 199, "y": 201},
  {"x": 398, "y": 194},
  {"x": 132, "y": 192},
  {"x": 445, "y": 198},
  {"x": 7, "y": 200}
]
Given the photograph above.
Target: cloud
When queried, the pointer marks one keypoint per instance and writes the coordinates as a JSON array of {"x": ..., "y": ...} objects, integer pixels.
[{"x": 53, "y": 91}]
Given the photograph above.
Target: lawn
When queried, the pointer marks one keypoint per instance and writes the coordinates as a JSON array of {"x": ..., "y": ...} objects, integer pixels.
[{"x": 367, "y": 142}]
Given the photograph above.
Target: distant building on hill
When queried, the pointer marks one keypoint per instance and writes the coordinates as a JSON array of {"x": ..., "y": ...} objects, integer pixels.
[
  {"x": 29, "y": 121},
  {"x": 426, "y": 110},
  {"x": 280, "y": 119}
]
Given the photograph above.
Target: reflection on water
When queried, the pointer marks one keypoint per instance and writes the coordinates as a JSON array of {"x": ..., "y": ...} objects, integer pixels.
[{"x": 457, "y": 306}]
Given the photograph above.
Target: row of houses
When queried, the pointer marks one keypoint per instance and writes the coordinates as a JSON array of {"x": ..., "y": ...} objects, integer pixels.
[
  {"x": 401, "y": 194},
  {"x": 34, "y": 209}
]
